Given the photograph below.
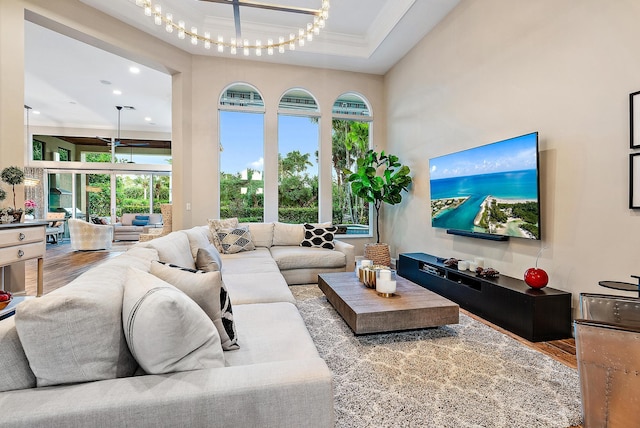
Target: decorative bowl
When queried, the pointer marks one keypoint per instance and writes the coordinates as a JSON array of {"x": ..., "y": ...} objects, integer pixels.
[{"x": 5, "y": 303}]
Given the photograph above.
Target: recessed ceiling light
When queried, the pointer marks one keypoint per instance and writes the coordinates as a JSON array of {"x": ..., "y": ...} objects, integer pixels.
[
  {"x": 117, "y": 92},
  {"x": 134, "y": 70},
  {"x": 35, "y": 112},
  {"x": 148, "y": 119}
]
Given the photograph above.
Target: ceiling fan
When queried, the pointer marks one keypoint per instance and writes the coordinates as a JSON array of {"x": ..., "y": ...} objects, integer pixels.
[{"x": 117, "y": 142}]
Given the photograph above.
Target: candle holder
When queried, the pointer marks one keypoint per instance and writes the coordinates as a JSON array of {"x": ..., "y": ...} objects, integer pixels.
[
  {"x": 360, "y": 266},
  {"x": 369, "y": 275},
  {"x": 386, "y": 282}
]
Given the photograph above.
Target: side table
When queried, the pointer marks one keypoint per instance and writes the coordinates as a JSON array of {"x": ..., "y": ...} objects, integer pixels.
[
  {"x": 20, "y": 242},
  {"x": 624, "y": 286}
]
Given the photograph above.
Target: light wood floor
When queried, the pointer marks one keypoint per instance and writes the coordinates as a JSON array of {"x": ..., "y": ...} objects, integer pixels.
[{"x": 62, "y": 265}]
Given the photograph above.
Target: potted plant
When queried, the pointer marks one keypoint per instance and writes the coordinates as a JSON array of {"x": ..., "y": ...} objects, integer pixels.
[
  {"x": 30, "y": 208},
  {"x": 380, "y": 178},
  {"x": 13, "y": 176}
]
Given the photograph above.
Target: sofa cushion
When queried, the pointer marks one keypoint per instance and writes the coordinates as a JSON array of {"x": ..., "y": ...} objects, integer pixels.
[
  {"x": 167, "y": 331},
  {"x": 270, "y": 332},
  {"x": 235, "y": 240},
  {"x": 291, "y": 234},
  {"x": 290, "y": 257},
  {"x": 257, "y": 261},
  {"x": 209, "y": 292},
  {"x": 261, "y": 233},
  {"x": 14, "y": 366},
  {"x": 74, "y": 334},
  {"x": 173, "y": 248},
  {"x": 199, "y": 237},
  {"x": 265, "y": 287},
  {"x": 136, "y": 222},
  {"x": 318, "y": 237},
  {"x": 208, "y": 259},
  {"x": 217, "y": 224},
  {"x": 287, "y": 234}
]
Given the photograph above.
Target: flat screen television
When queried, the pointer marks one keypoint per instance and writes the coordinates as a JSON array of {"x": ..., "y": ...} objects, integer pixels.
[{"x": 490, "y": 192}]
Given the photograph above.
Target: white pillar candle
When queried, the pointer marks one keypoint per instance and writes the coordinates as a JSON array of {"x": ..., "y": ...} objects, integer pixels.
[
  {"x": 479, "y": 261},
  {"x": 385, "y": 274},
  {"x": 385, "y": 286},
  {"x": 365, "y": 262},
  {"x": 463, "y": 265},
  {"x": 473, "y": 266}
]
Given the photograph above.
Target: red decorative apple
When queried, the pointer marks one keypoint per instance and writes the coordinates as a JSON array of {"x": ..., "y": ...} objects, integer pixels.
[
  {"x": 4, "y": 296},
  {"x": 535, "y": 277}
]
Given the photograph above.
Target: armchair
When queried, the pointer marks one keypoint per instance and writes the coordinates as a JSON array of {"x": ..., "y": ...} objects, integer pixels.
[
  {"x": 608, "y": 354},
  {"x": 88, "y": 236}
]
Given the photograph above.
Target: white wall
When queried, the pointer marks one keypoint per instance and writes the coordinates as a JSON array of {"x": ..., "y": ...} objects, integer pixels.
[{"x": 495, "y": 69}]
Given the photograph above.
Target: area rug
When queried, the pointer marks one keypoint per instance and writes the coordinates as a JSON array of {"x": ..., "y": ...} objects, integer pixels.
[{"x": 464, "y": 375}]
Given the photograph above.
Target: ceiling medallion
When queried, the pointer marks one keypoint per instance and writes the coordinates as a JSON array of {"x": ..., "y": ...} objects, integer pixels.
[{"x": 154, "y": 10}]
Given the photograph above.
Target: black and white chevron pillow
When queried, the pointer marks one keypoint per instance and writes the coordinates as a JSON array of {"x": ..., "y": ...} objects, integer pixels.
[
  {"x": 236, "y": 240},
  {"x": 318, "y": 237}
]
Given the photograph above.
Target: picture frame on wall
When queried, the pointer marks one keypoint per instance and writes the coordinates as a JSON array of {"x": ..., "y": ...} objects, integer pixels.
[
  {"x": 634, "y": 181},
  {"x": 634, "y": 119}
]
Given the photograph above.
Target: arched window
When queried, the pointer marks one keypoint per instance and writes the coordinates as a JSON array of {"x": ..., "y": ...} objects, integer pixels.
[
  {"x": 298, "y": 138},
  {"x": 241, "y": 110},
  {"x": 351, "y": 138}
]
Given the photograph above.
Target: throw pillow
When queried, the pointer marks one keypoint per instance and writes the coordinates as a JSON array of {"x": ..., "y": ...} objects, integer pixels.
[
  {"x": 142, "y": 217},
  {"x": 203, "y": 288},
  {"x": 208, "y": 259},
  {"x": 319, "y": 237},
  {"x": 137, "y": 222},
  {"x": 74, "y": 334},
  {"x": 15, "y": 372},
  {"x": 218, "y": 224},
  {"x": 290, "y": 234},
  {"x": 167, "y": 331},
  {"x": 235, "y": 240}
]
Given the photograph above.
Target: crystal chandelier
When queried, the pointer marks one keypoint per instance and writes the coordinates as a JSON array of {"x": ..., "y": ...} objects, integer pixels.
[{"x": 154, "y": 11}]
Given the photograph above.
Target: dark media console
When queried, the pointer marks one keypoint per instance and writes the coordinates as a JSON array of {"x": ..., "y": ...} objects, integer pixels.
[{"x": 536, "y": 315}]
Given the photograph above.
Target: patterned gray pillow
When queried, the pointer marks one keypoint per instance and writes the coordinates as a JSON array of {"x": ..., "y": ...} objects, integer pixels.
[
  {"x": 318, "y": 237},
  {"x": 217, "y": 224},
  {"x": 236, "y": 240}
]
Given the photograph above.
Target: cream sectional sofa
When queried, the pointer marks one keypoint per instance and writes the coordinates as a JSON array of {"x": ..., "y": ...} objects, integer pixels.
[{"x": 64, "y": 360}]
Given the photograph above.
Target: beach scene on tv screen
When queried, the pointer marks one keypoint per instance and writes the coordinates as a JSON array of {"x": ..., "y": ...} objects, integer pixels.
[{"x": 488, "y": 189}]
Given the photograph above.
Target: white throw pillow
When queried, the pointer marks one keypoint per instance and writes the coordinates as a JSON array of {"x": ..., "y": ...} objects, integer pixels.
[
  {"x": 208, "y": 291},
  {"x": 167, "y": 331}
]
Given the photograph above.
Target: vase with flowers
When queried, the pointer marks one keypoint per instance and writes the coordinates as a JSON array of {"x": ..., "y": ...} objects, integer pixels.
[{"x": 30, "y": 209}]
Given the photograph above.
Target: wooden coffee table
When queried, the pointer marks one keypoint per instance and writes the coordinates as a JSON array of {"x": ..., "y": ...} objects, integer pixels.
[{"x": 365, "y": 311}]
